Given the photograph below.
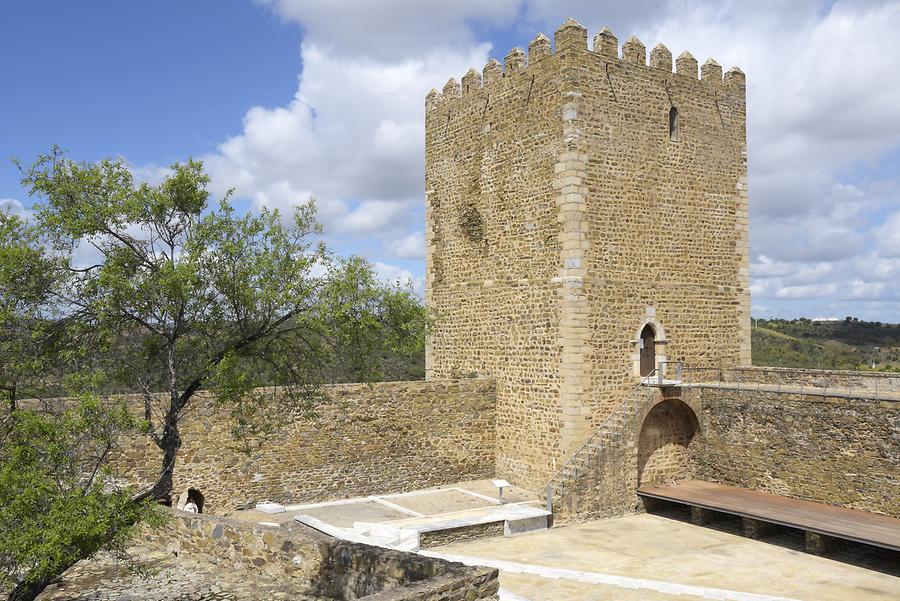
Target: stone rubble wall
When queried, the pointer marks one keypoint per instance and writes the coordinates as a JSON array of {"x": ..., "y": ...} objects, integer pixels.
[
  {"x": 279, "y": 553},
  {"x": 438, "y": 538},
  {"x": 649, "y": 440},
  {"x": 354, "y": 571},
  {"x": 664, "y": 446},
  {"x": 838, "y": 450},
  {"x": 385, "y": 438},
  {"x": 329, "y": 568},
  {"x": 841, "y": 450}
]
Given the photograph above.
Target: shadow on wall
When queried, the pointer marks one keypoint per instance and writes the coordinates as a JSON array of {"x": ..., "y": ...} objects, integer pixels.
[{"x": 666, "y": 434}]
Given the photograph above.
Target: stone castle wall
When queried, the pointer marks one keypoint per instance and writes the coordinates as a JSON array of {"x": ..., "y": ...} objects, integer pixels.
[
  {"x": 841, "y": 450},
  {"x": 561, "y": 217},
  {"x": 666, "y": 219},
  {"x": 664, "y": 443},
  {"x": 383, "y": 438},
  {"x": 838, "y": 450},
  {"x": 493, "y": 239}
]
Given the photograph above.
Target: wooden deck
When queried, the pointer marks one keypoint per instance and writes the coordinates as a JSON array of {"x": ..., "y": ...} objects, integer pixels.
[{"x": 837, "y": 522}]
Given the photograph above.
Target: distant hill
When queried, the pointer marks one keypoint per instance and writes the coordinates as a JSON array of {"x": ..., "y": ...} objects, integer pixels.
[{"x": 850, "y": 343}]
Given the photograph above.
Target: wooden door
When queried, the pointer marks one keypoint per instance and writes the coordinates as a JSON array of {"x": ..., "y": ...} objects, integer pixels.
[{"x": 648, "y": 350}]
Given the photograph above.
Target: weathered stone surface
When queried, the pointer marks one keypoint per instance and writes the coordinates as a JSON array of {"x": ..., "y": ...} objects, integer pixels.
[
  {"x": 182, "y": 560},
  {"x": 648, "y": 440},
  {"x": 837, "y": 450},
  {"x": 593, "y": 221},
  {"x": 869, "y": 383},
  {"x": 383, "y": 438},
  {"x": 438, "y": 538},
  {"x": 664, "y": 442}
]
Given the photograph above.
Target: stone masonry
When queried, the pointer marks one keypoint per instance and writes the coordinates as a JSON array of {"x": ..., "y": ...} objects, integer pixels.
[
  {"x": 664, "y": 442},
  {"x": 364, "y": 439},
  {"x": 840, "y": 450},
  {"x": 209, "y": 558},
  {"x": 574, "y": 196}
]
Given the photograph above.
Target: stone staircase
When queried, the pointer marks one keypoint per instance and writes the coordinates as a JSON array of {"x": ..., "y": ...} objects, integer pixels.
[{"x": 599, "y": 479}]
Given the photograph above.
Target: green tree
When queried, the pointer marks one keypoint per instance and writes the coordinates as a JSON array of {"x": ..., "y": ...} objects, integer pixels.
[
  {"x": 27, "y": 274},
  {"x": 57, "y": 502},
  {"x": 182, "y": 296}
]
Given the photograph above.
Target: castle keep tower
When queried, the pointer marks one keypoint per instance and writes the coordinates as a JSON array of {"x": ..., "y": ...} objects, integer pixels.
[{"x": 586, "y": 218}]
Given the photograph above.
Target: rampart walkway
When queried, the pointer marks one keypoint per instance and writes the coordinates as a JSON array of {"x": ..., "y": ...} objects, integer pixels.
[
  {"x": 835, "y": 391},
  {"x": 847, "y": 384}
]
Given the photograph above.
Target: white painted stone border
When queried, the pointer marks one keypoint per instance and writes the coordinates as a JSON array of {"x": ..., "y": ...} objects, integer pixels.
[{"x": 670, "y": 588}]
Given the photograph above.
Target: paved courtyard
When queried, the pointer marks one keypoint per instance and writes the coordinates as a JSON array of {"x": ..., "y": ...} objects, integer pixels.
[
  {"x": 462, "y": 499},
  {"x": 653, "y": 558}
]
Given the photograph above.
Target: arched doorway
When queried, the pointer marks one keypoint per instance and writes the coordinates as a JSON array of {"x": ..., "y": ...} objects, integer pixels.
[
  {"x": 663, "y": 445},
  {"x": 648, "y": 350},
  {"x": 196, "y": 497}
]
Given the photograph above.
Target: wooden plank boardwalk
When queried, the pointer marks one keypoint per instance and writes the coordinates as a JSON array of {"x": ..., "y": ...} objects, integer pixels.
[{"x": 837, "y": 522}]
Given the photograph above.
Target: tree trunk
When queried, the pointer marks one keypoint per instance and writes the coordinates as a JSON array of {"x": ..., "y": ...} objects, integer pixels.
[
  {"x": 170, "y": 443},
  {"x": 28, "y": 591}
]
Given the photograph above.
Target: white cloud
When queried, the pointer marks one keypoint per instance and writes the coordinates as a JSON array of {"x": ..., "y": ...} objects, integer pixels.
[
  {"x": 392, "y": 29},
  {"x": 397, "y": 275},
  {"x": 14, "y": 207},
  {"x": 352, "y": 138},
  {"x": 409, "y": 247},
  {"x": 808, "y": 291},
  {"x": 824, "y": 109},
  {"x": 373, "y": 216},
  {"x": 888, "y": 237},
  {"x": 150, "y": 173},
  {"x": 810, "y": 239}
]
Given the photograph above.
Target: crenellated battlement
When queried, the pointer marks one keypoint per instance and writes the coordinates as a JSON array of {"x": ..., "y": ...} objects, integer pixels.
[{"x": 571, "y": 39}]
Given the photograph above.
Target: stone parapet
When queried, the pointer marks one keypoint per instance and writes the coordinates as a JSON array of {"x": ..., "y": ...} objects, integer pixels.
[
  {"x": 860, "y": 382},
  {"x": 363, "y": 439},
  {"x": 829, "y": 449}
]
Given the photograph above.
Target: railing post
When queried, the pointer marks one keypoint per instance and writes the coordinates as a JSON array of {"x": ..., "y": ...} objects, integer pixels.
[
  {"x": 550, "y": 498},
  {"x": 659, "y": 374}
]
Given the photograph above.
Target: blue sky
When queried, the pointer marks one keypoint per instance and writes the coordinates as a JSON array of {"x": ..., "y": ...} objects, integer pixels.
[
  {"x": 286, "y": 99},
  {"x": 152, "y": 81}
]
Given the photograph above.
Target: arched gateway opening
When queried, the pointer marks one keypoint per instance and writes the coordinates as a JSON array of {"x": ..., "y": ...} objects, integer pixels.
[
  {"x": 663, "y": 446},
  {"x": 648, "y": 350}
]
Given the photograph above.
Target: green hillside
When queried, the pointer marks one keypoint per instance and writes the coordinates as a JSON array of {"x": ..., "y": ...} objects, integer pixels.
[{"x": 847, "y": 344}]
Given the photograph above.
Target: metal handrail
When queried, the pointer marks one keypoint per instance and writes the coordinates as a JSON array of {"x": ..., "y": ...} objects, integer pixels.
[
  {"x": 826, "y": 385},
  {"x": 661, "y": 372}
]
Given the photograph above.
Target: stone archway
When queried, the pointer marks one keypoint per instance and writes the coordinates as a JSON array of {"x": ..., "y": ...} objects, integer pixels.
[{"x": 664, "y": 443}]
